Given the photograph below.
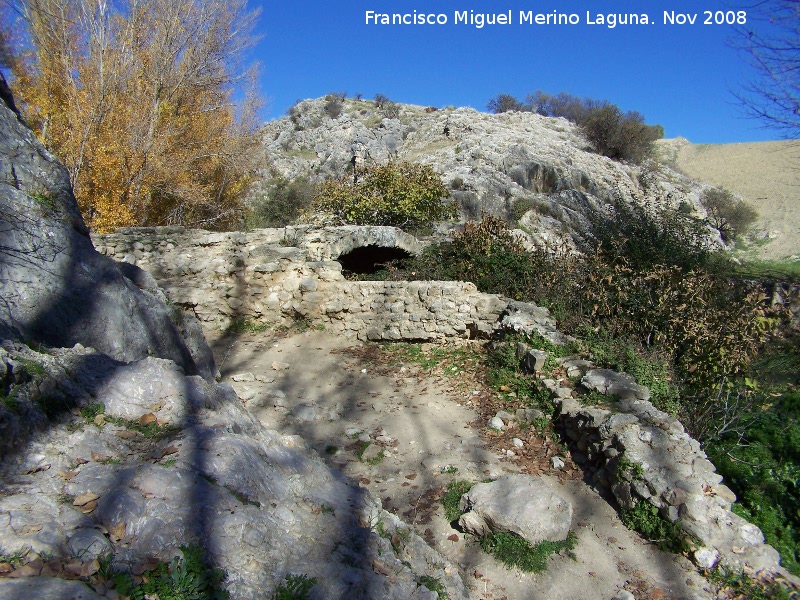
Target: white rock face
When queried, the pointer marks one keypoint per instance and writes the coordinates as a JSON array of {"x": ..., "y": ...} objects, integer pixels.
[
  {"x": 491, "y": 162},
  {"x": 521, "y": 504}
]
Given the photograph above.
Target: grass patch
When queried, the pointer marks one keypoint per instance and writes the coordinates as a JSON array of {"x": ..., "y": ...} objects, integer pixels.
[
  {"x": 434, "y": 585},
  {"x": 47, "y": 202},
  {"x": 771, "y": 269},
  {"x": 181, "y": 579},
  {"x": 10, "y": 400},
  {"x": 92, "y": 410},
  {"x": 449, "y": 360},
  {"x": 645, "y": 520},
  {"x": 737, "y": 584},
  {"x": 245, "y": 325},
  {"x": 452, "y": 498},
  {"x": 513, "y": 551},
  {"x": 152, "y": 431},
  {"x": 33, "y": 368}
]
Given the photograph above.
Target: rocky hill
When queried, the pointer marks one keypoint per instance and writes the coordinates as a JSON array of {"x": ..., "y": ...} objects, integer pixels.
[{"x": 502, "y": 164}]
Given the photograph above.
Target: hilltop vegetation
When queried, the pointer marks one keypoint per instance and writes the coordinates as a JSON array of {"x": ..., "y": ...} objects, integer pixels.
[{"x": 612, "y": 133}]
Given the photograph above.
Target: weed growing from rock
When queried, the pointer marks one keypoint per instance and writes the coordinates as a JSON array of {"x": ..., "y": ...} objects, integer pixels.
[
  {"x": 295, "y": 587},
  {"x": 182, "y": 578},
  {"x": 434, "y": 585},
  {"x": 736, "y": 584},
  {"x": 452, "y": 498}
]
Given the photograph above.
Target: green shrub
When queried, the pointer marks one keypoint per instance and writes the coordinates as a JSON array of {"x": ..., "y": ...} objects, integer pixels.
[
  {"x": 730, "y": 215},
  {"x": 644, "y": 519},
  {"x": 648, "y": 234},
  {"x": 505, "y": 103},
  {"x": 520, "y": 207},
  {"x": 401, "y": 194},
  {"x": 618, "y": 135},
  {"x": 283, "y": 203},
  {"x": 333, "y": 106},
  {"x": 487, "y": 254},
  {"x": 762, "y": 466}
]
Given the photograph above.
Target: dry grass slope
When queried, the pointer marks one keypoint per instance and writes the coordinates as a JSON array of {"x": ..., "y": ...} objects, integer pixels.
[{"x": 765, "y": 174}]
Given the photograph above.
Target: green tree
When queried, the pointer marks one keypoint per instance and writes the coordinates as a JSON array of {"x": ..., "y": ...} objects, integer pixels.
[{"x": 731, "y": 216}]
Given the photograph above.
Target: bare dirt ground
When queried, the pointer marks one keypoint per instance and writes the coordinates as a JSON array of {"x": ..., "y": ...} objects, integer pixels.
[
  {"x": 765, "y": 174},
  {"x": 426, "y": 427}
]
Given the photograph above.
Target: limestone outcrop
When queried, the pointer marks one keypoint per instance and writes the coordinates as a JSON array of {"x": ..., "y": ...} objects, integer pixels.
[
  {"x": 522, "y": 504},
  {"x": 261, "y": 505},
  {"x": 499, "y": 164},
  {"x": 57, "y": 289}
]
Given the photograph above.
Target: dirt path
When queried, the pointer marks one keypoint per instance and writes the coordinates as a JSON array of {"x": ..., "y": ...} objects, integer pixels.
[{"x": 425, "y": 429}]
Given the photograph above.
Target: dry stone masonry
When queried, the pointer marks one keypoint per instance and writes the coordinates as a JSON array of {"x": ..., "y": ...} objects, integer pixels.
[{"x": 224, "y": 277}]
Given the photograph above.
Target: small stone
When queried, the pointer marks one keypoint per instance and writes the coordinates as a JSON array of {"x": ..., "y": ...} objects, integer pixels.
[
  {"x": 518, "y": 443},
  {"x": 243, "y": 377},
  {"x": 304, "y": 412},
  {"x": 280, "y": 366},
  {"x": 88, "y": 544},
  {"x": 705, "y": 558},
  {"x": 496, "y": 423},
  {"x": 558, "y": 462}
]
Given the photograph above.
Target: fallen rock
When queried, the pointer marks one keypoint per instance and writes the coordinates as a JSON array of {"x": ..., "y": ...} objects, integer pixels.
[{"x": 521, "y": 504}]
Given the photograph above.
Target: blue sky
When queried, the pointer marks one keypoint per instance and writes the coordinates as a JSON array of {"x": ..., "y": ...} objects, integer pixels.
[{"x": 679, "y": 76}]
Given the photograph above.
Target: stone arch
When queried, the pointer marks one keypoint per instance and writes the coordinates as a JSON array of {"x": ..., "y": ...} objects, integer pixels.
[{"x": 364, "y": 250}]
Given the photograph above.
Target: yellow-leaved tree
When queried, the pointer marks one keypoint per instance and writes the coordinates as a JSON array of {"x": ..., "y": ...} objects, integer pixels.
[{"x": 147, "y": 102}]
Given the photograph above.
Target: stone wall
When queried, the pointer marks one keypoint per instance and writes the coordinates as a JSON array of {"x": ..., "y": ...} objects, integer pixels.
[
  {"x": 224, "y": 277},
  {"x": 641, "y": 454}
]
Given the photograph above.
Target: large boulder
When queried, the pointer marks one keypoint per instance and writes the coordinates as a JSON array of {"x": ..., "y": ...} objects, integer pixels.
[
  {"x": 521, "y": 504},
  {"x": 56, "y": 288}
]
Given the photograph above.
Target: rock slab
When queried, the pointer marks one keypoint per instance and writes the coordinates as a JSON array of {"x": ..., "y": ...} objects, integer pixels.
[{"x": 521, "y": 504}]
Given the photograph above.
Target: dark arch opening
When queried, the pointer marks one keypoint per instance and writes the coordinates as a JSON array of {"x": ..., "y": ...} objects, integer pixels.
[{"x": 368, "y": 260}]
